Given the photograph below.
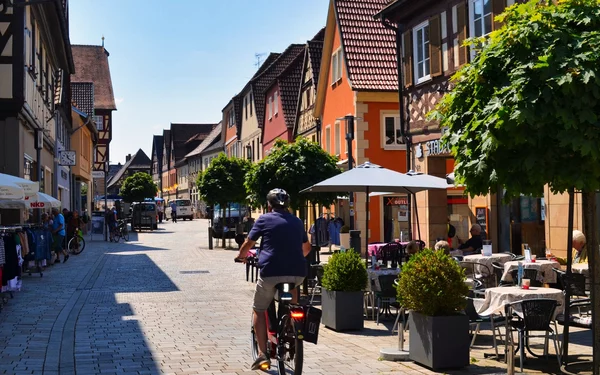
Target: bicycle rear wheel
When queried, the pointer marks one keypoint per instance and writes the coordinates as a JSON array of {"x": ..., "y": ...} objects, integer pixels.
[
  {"x": 125, "y": 234},
  {"x": 117, "y": 236},
  {"x": 291, "y": 349}
]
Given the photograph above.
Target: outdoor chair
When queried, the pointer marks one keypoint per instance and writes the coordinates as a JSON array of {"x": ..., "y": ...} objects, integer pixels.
[
  {"x": 498, "y": 272},
  {"x": 401, "y": 312},
  {"x": 391, "y": 253},
  {"x": 537, "y": 316},
  {"x": 581, "y": 301},
  {"x": 478, "y": 271},
  {"x": 318, "y": 271},
  {"x": 475, "y": 320},
  {"x": 386, "y": 295},
  {"x": 528, "y": 273}
]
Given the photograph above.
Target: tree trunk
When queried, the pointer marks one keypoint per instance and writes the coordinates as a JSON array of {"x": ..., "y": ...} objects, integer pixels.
[
  {"x": 590, "y": 219},
  {"x": 223, "y": 226}
]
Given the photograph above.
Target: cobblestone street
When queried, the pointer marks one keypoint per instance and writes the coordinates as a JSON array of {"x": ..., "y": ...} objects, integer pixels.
[{"x": 162, "y": 303}]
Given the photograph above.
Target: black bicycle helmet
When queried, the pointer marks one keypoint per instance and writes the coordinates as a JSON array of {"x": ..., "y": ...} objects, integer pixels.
[{"x": 278, "y": 198}]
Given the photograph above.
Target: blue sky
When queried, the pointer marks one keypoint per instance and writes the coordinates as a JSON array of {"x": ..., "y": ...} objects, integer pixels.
[{"x": 183, "y": 60}]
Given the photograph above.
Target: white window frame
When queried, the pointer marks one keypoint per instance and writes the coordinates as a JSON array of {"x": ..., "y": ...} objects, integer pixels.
[
  {"x": 337, "y": 59},
  {"x": 99, "y": 120},
  {"x": 426, "y": 61},
  {"x": 337, "y": 148},
  {"x": 472, "y": 4},
  {"x": 396, "y": 116},
  {"x": 270, "y": 107},
  {"x": 276, "y": 103},
  {"x": 328, "y": 138}
]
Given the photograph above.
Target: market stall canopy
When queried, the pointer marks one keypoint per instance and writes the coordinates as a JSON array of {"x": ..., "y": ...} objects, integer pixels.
[{"x": 29, "y": 187}]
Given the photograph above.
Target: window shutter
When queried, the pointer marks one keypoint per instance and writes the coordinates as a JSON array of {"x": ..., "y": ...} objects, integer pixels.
[
  {"x": 497, "y": 8},
  {"x": 435, "y": 46},
  {"x": 407, "y": 56},
  {"x": 461, "y": 21}
]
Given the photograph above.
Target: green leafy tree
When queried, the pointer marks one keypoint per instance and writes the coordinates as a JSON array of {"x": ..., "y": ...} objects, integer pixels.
[
  {"x": 138, "y": 187},
  {"x": 293, "y": 167},
  {"x": 524, "y": 113},
  {"x": 223, "y": 183}
]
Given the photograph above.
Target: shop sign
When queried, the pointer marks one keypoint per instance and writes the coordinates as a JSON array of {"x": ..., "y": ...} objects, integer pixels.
[
  {"x": 433, "y": 147},
  {"x": 37, "y": 204},
  {"x": 396, "y": 201}
]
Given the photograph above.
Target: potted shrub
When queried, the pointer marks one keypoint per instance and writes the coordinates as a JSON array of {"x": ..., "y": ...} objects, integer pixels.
[
  {"x": 344, "y": 278},
  {"x": 345, "y": 237},
  {"x": 432, "y": 286}
]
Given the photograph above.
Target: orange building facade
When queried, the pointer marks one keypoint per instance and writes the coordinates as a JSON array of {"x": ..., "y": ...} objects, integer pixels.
[{"x": 349, "y": 84}]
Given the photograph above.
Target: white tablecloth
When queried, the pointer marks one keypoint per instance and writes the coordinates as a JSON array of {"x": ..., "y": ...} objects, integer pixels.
[
  {"x": 544, "y": 268},
  {"x": 496, "y": 298},
  {"x": 582, "y": 268},
  {"x": 487, "y": 260}
]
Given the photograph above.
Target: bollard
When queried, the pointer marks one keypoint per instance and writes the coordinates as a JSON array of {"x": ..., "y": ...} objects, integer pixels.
[
  {"x": 210, "y": 239},
  {"x": 355, "y": 240}
]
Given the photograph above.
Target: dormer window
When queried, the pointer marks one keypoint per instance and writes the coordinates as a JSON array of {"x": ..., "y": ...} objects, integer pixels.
[{"x": 231, "y": 119}]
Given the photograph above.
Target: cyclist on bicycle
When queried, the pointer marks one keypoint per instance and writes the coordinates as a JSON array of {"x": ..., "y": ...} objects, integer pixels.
[{"x": 284, "y": 246}]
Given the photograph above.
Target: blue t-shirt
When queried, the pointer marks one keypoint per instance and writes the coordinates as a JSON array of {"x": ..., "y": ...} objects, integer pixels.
[
  {"x": 58, "y": 221},
  {"x": 281, "y": 246}
]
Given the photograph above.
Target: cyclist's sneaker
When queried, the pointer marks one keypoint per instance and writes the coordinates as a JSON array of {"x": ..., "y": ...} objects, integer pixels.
[
  {"x": 261, "y": 363},
  {"x": 66, "y": 258}
]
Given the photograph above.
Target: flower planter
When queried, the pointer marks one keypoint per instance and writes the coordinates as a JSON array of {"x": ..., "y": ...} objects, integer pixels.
[
  {"x": 439, "y": 342},
  {"x": 342, "y": 311}
]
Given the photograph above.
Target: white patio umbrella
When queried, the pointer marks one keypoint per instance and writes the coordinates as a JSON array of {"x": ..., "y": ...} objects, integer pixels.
[
  {"x": 38, "y": 200},
  {"x": 29, "y": 187},
  {"x": 10, "y": 191},
  {"x": 369, "y": 177},
  {"x": 41, "y": 200}
]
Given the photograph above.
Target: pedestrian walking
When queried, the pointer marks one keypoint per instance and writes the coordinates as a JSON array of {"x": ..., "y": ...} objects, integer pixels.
[
  {"x": 58, "y": 235},
  {"x": 174, "y": 211}
]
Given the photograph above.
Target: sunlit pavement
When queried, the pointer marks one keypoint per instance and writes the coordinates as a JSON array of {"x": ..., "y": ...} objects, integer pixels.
[{"x": 165, "y": 304}]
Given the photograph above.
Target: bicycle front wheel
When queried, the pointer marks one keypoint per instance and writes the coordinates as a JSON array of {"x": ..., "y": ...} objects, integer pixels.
[
  {"x": 125, "y": 234},
  {"x": 76, "y": 245},
  {"x": 291, "y": 349}
]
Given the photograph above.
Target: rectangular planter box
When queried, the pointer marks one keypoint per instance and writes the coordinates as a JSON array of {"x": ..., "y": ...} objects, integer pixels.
[
  {"x": 439, "y": 342},
  {"x": 342, "y": 311}
]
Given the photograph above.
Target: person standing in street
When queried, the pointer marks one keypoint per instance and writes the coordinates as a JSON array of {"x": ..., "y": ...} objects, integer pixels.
[
  {"x": 173, "y": 211},
  {"x": 161, "y": 211},
  {"x": 58, "y": 235}
]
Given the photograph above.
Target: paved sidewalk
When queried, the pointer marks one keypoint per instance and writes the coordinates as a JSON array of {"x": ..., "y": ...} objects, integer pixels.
[{"x": 164, "y": 304}]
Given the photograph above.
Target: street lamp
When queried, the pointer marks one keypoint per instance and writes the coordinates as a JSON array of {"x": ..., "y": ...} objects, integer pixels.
[{"x": 349, "y": 138}]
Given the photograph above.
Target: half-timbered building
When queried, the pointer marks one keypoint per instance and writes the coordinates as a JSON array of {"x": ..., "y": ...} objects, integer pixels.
[
  {"x": 91, "y": 64},
  {"x": 306, "y": 125},
  {"x": 35, "y": 64}
]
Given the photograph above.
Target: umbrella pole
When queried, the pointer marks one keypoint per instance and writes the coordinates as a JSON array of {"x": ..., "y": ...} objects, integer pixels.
[
  {"x": 416, "y": 214},
  {"x": 565, "y": 345},
  {"x": 367, "y": 226}
]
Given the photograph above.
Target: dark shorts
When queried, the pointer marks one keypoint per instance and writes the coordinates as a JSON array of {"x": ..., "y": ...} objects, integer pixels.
[{"x": 58, "y": 243}]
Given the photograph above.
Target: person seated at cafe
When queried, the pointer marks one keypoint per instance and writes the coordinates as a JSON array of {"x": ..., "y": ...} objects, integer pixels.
[
  {"x": 411, "y": 249},
  {"x": 579, "y": 253},
  {"x": 442, "y": 245},
  {"x": 473, "y": 244}
]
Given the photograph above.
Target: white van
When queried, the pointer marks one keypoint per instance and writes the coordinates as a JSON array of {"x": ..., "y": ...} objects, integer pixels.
[{"x": 184, "y": 209}]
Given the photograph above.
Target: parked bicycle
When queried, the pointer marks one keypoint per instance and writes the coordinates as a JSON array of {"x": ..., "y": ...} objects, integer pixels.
[
  {"x": 77, "y": 243},
  {"x": 288, "y": 326},
  {"x": 121, "y": 231}
]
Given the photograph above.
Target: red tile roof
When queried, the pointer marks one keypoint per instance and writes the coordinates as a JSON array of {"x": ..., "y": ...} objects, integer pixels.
[
  {"x": 91, "y": 65},
  {"x": 289, "y": 86},
  {"x": 262, "y": 81},
  {"x": 369, "y": 48}
]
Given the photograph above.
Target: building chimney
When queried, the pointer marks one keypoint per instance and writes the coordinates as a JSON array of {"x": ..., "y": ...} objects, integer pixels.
[{"x": 127, "y": 158}]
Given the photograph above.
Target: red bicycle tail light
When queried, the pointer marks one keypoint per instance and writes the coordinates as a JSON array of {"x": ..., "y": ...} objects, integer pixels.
[{"x": 298, "y": 314}]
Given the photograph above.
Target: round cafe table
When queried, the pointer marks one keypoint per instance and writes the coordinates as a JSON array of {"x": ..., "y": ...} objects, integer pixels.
[{"x": 496, "y": 298}]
